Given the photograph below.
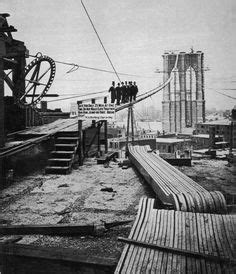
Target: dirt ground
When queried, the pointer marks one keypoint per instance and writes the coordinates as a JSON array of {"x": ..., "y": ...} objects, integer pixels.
[
  {"x": 76, "y": 198},
  {"x": 213, "y": 175}
]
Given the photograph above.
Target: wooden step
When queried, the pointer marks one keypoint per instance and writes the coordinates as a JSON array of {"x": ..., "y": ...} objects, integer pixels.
[
  {"x": 62, "y": 154},
  {"x": 57, "y": 170},
  {"x": 67, "y": 140},
  {"x": 67, "y": 134},
  {"x": 65, "y": 147},
  {"x": 59, "y": 161}
]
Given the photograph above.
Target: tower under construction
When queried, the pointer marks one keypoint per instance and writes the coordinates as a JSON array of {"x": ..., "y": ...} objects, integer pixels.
[{"x": 183, "y": 102}]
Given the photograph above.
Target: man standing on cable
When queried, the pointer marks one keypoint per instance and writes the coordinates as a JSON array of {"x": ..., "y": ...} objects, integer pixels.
[
  {"x": 123, "y": 92},
  {"x": 135, "y": 91},
  {"x": 112, "y": 90},
  {"x": 118, "y": 94},
  {"x": 131, "y": 91},
  {"x": 126, "y": 92}
]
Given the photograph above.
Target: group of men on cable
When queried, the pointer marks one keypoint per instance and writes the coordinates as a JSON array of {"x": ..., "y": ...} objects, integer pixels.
[{"x": 124, "y": 93}]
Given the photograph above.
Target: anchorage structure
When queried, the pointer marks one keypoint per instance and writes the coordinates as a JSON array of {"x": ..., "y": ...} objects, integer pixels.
[{"x": 183, "y": 102}]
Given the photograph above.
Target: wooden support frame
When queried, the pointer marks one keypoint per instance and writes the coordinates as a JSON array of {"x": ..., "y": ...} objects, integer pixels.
[
  {"x": 130, "y": 123},
  {"x": 105, "y": 129},
  {"x": 99, "y": 125}
]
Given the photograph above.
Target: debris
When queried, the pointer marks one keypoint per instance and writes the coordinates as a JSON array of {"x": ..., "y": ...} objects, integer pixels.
[
  {"x": 64, "y": 211},
  {"x": 12, "y": 239},
  {"x": 63, "y": 185},
  {"x": 125, "y": 164},
  {"x": 106, "y": 164},
  {"x": 5, "y": 222},
  {"x": 107, "y": 189}
]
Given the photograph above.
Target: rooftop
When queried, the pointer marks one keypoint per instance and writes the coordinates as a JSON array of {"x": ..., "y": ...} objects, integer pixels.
[
  {"x": 217, "y": 122},
  {"x": 171, "y": 140}
]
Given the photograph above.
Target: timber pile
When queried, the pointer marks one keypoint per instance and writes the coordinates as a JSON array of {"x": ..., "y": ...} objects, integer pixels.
[
  {"x": 172, "y": 186},
  {"x": 168, "y": 241}
]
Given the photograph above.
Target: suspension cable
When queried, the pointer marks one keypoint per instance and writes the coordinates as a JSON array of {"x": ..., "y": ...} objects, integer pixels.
[
  {"x": 76, "y": 96},
  {"x": 100, "y": 41}
]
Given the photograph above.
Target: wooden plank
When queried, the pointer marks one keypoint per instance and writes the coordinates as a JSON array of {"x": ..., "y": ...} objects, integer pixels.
[
  {"x": 134, "y": 260},
  {"x": 230, "y": 239},
  {"x": 152, "y": 228},
  {"x": 157, "y": 262},
  {"x": 191, "y": 267},
  {"x": 200, "y": 239},
  {"x": 204, "y": 236},
  {"x": 143, "y": 236},
  {"x": 127, "y": 247},
  {"x": 175, "y": 241},
  {"x": 194, "y": 240},
  {"x": 56, "y": 229},
  {"x": 169, "y": 218},
  {"x": 127, "y": 252},
  {"x": 181, "y": 244},
  {"x": 54, "y": 257},
  {"x": 209, "y": 242},
  {"x": 153, "y": 253},
  {"x": 179, "y": 251}
]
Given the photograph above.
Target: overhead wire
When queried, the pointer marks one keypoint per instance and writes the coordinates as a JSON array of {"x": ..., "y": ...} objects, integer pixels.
[
  {"x": 100, "y": 40},
  {"x": 226, "y": 95},
  {"x": 95, "y": 69}
]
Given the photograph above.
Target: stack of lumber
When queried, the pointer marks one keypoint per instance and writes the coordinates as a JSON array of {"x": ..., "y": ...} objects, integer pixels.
[
  {"x": 172, "y": 186},
  {"x": 168, "y": 241}
]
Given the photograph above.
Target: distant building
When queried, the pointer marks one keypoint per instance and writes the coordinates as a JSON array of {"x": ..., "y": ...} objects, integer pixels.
[
  {"x": 222, "y": 128},
  {"x": 201, "y": 141},
  {"x": 172, "y": 145},
  {"x": 148, "y": 134},
  {"x": 233, "y": 127}
]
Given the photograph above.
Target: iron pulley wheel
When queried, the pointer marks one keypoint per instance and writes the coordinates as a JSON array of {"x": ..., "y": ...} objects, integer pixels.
[{"x": 39, "y": 75}]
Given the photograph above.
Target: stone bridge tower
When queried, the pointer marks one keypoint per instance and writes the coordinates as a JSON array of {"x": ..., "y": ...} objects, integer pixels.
[{"x": 183, "y": 102}]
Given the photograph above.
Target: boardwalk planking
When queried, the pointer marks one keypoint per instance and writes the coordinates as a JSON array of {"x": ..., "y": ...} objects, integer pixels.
[{"x": 193, "y": 234}]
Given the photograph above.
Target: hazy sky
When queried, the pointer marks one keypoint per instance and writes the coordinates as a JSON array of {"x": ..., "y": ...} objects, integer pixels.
[{"x": 135, "y": 33}]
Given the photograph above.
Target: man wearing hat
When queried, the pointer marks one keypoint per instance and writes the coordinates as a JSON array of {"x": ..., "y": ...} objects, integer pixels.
[
  {"x": 118, "y": 93},
  {"x": 135, "y": 91},
  {"x": 131, "y": 91},
  {"x": 123, "y": 92},
  {"x": 112, "y": 90}
]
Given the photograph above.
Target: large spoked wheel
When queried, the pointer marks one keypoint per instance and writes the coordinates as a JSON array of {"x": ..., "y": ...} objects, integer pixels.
[{"x": 39, "y": 75}]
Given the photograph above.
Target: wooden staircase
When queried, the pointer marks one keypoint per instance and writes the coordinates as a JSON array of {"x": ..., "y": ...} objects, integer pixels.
[{"x": 63, "y": 155}]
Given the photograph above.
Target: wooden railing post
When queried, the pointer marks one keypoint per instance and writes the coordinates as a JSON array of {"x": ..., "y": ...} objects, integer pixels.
[
  {"x": 80, "y": 138},
  {"x": 105, "y": 130}
]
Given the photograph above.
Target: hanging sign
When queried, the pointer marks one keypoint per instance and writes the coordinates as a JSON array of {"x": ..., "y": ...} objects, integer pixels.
[{"x": 96, "y": 112}]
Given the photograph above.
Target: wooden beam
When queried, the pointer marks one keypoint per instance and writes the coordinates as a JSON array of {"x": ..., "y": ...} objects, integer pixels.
[
  {"x": 45, "y": 95},
  {"x": 57, "y": 229},
  {"x": 19, "y": 258}
]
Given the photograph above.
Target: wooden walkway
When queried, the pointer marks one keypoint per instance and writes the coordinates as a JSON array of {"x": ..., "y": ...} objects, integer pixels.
[
  {"x": 168, "y": 241},
  {"x": 172, "y": 186}
]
